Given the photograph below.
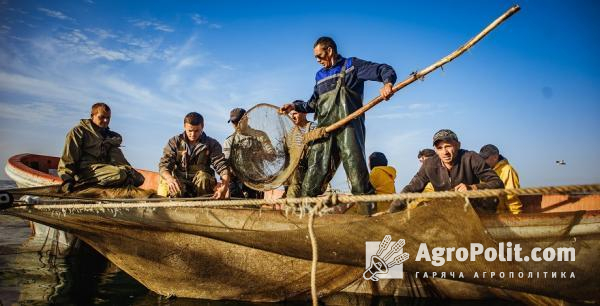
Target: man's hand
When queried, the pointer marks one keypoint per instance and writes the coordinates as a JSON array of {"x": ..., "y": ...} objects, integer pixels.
[
  {"x": 221, "y": 192},
  {"x": 286, "y": 108},
  {"x": 174, "y": 188},
  {"x": 463, "y": 187},
  {"x": 386, "y": 91},
  {"x": 67, "y": 186}
]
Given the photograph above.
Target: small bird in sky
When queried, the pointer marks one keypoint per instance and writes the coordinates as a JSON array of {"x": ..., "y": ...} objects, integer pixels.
[{"x": 561, "y": 162}]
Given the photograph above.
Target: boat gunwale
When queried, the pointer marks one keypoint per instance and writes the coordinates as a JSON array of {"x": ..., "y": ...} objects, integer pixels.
[{"x": 16, "y": 163}]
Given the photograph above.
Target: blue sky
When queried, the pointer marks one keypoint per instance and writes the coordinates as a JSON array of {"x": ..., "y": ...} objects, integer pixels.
[{"x": 531, "y": 87}]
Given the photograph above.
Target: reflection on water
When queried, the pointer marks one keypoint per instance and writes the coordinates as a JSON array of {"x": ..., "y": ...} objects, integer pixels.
[{"x": 28, "y": 276}]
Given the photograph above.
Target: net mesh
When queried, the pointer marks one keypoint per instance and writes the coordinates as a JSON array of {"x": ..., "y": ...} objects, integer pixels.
[{"x": 266, "y": 148}]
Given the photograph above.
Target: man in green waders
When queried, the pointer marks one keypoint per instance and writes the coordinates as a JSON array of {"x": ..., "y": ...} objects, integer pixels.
[{"x": 337, "y": 93}]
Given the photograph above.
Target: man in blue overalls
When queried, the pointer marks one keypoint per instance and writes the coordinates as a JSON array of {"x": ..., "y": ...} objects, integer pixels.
[{"x": 337, "y": 93}]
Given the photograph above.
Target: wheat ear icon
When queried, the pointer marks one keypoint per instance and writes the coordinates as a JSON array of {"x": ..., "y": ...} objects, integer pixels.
[
  {"x": 398, "y": 260},
  {"x": 395, "y": 249},
  {"x": 383, "y": 245}
]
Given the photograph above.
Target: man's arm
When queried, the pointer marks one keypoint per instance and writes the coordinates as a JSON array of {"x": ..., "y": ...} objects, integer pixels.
[
  {"x": 266, "y": 145},
  {"x": 167, "y": 164},
  {"x": 308, "y": 106},
  {"x": 219, "y": 163},
  {"x": 217, "y": 159},
  {"x": 488, "y": 179},
  {"x": 67, "y": 166},
  {"x": 418, "y": 182},
  {"x": 227, "y": 147},
  {"x": 369, "y": 71},
  {"x": 115, "y": 153},
  {"x": 117, "y": 157}
]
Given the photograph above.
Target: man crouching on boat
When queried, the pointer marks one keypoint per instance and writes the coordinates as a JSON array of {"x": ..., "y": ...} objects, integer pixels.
[
  {"x": 92, "y": 155},
  {"x": 185, "y": 167},
  {"x": 454, "y": 169}
]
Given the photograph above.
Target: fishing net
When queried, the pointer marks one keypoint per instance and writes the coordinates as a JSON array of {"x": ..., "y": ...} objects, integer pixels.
[{"x": 266, "y": 148}]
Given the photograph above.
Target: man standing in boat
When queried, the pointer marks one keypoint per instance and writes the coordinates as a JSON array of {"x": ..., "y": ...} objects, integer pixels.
[
  {"x": 454, "y": 169},
  {"x": 237, "y": 189},
  {"x": 185, "y": 167},
  {"x": 294, "y": 139},
  {"x": 507, "y": 174},
  {"x": 337, "y": 93},
  {"x": 92, "y": 155}
]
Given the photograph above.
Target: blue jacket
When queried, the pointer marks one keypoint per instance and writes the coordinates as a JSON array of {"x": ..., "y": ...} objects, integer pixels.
[{"x": 357, "y": 72}]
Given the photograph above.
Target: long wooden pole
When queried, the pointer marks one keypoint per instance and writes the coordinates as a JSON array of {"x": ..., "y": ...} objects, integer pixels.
[{"x": 415, "y": 76}]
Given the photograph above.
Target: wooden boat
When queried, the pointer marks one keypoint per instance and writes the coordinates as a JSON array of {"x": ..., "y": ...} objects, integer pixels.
[
  {"x": 264, "y": 255},
  {"x": 33, "y": 170}
]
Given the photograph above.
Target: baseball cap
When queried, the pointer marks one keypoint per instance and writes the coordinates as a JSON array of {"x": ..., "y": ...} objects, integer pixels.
[
  {"x": 236, "y": 114},
  {"x": 444, "y": 135}
]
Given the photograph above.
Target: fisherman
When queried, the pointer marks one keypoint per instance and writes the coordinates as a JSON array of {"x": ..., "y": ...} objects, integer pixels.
[
  {"x": 507, "y": 174},
  {"x": 454, "y": 169},
  {"x": 337, "y": 93},
  {"x": 185, "y": 167},
  {"x": 92, "y": 155},
  {"x": 248, "y": 141},
  {"x": 382, "y": 177},
  {"x": 301, "y": 127}
]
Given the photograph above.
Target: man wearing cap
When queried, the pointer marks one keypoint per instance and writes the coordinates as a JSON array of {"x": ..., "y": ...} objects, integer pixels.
[
  {"x": 234, "y": 117},
  {"x": 455, "y": 169},
  {"x": 249, "y": 141},
  {"x": 338, "y": 92},
  {"x": 507, "y": 174},
  {"x": 185, "y": 167}
]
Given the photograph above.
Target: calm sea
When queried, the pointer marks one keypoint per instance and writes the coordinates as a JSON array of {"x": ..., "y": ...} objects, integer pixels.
[{"x": 31, "y": 277}]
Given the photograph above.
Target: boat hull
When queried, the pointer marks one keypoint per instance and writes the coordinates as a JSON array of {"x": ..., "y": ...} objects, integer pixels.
[
  {"x": 264, "y": 255},
  {"x": 33, "y": 170},
  {"x": 158, "y": 246}
]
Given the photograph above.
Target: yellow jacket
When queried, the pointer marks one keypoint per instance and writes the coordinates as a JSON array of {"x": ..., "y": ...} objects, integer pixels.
[
  {"x": 428, "y": 188},
  {"x": 383, "y": 180},
  {"x": 416, "y": 202},
  {"x": 510, "y": 178}
]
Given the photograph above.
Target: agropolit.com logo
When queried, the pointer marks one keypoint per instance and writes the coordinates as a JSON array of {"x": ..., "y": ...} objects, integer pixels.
[{"x": 379, "y": 263}]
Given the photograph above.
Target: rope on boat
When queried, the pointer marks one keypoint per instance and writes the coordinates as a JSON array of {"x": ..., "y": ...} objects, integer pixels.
[
  {"x": 315, "y": 253},
  {"x": 327, "y": 200}
]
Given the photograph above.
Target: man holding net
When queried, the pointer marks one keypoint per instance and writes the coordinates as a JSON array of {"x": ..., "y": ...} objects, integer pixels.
[
  {"x": 244, "y": 143},
  {"x": 337, "y": 93}
]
